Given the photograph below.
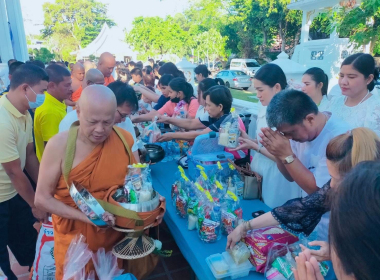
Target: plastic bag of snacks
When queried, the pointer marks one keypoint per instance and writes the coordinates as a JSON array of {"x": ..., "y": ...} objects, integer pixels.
[
  {"x": 209, "y": 220},
  {"x": 152, "y": 133},
  {"x": 229, "y": 131},
  {"x": 106, "y": 265},
  {"x": 231, "y": 213},
  {"x": 137, "y": 186},
  {"x": 281, "y": 260},
  {"x": 204, "y": 181},
  {"x": 234, "y": 182},
  {"x": 77, "y": 256},
  {"x": 261, "y": 240},
  {"x": 192, "y": 210}
]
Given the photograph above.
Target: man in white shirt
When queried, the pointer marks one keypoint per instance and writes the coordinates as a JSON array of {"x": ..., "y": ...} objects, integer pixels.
[
  {"x": 301, "y": 137},
  {"x": 127, "y": 104}
]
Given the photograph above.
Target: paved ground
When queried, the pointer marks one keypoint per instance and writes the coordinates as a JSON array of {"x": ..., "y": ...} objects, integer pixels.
[{"x": 173, "y": 268}]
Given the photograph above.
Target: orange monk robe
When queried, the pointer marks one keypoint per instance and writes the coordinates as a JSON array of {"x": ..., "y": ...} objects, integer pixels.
[
  {"x": 76, "y": 94},
  {"x": 105, "y": 167},
  {"x": 108, "y": 80}
]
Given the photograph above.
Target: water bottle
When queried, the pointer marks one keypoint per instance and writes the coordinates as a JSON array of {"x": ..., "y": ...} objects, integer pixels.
[{"x": 216, "y": 216}]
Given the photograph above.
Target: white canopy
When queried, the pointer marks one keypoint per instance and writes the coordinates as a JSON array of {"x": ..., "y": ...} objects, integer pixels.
[{"x": 109, "y": 40}]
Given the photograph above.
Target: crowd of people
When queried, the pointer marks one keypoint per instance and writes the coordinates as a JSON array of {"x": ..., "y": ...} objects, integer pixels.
[{"x": 317, "y": 153}]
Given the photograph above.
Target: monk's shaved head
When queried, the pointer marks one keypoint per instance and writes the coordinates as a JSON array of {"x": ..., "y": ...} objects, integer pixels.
[
  {"x": 106, "y": 64},
  {"x": 93, "y": 77},
  {"x": 78, "y": 71},
  {"x": 96, "y": 111}
]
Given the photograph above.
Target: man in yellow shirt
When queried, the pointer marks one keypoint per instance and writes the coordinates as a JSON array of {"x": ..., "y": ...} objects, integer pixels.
[
  {"x": 51, "y": 113},
  {"x": 16, "y": 153}
]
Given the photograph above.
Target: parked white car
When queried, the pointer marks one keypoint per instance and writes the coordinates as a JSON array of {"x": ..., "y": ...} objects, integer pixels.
[
  {"x": 248, "y": 66},
  {"x": 234, "y": 78}
]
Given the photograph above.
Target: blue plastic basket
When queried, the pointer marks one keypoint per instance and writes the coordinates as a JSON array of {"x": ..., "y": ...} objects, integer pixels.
[{"x": 206, "y": 152}]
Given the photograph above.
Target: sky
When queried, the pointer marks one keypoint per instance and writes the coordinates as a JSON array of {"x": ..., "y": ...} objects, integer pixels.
[{"x": 121, "y": 11}]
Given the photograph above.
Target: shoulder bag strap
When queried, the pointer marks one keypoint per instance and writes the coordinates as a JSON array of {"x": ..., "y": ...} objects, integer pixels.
[{"x": 68, "y": 163}]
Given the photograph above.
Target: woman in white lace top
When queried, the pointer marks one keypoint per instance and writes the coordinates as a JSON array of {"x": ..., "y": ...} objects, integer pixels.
[
  {"x": 315, "y": 83},
  {"x": 357, "y": 106}
]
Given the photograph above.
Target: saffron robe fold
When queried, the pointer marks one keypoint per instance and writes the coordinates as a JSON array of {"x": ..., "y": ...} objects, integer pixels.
[{"x": 104, "y": 167}]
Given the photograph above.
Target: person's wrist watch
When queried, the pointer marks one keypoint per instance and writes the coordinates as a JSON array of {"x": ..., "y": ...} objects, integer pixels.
[{"x": 289, "y": 159}]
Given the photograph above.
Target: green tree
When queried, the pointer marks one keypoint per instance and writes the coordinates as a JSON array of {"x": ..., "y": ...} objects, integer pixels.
[
  {"x": 360, "y": 24},
  {"x": 211, "y": 44},
  {"x": 152, "y": 36},
  {"x": 73, "y": 24},
  {"x": 43, "y": 54}
]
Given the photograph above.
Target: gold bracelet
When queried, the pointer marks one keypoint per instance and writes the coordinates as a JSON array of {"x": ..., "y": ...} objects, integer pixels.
[{"x": 247, "y": 226}]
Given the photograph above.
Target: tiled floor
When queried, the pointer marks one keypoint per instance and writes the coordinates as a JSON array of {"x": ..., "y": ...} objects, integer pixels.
[{"x": 175, "y": 267}]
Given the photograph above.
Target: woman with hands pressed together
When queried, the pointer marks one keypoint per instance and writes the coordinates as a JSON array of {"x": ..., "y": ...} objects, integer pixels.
[
  {"x": 354, "y": 226},
  {"x": 301, "y": 215},
  {"x": 276, "y": 189}
]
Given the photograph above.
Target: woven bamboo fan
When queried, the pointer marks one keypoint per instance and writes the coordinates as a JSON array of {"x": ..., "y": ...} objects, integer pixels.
[{"x": 134, "y": 246}]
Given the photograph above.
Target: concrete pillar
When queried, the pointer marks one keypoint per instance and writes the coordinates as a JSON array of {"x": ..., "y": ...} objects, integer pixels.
[
  {"x": 18, "y": 32},
  {"x": 6, "y": 50},
  {"x": 305, "y": 27}
]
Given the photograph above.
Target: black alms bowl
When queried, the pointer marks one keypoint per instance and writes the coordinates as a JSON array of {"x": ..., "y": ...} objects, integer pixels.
[{"x": 156, "y": 153}]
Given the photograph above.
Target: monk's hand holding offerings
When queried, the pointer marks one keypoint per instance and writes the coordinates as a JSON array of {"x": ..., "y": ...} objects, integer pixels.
[{"x": 100, "y": 161}]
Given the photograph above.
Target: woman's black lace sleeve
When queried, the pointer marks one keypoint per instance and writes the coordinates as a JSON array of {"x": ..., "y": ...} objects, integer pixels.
[{"x": 301, "y": 215}]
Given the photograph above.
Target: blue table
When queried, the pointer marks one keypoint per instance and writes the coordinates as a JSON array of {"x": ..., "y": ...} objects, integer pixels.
[{"x": 192, "y": 248}]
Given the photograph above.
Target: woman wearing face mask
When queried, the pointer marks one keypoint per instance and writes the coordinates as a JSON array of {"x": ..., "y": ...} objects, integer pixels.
[
  {"x": 301, "y": 215},
  {"x": 315, "y": 84},
  {"x": 354, "y": 227},
  {"x": 357, "y": 106},
  {"x": 181, "y": 95},
  {"x": 276, "y": 189}
]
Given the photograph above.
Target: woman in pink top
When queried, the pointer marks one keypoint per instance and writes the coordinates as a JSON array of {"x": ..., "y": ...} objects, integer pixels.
[
  {"x": 218, "y": 105},
  {"x": 182, "y": 102}
]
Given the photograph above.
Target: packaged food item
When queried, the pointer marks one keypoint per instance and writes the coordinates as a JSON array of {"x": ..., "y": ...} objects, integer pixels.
[
  {"x": 260, "y": 241},
  {"x": 229, "y": 132},
  {"x": 240, "y": 253},
  {"x": 210, "y": 225},
  {"x": 181, "y": 203},
  {"x": 152, "y": 133},
  {"x": 223, "y": 267},
  {"x": 231, "y": 212}
]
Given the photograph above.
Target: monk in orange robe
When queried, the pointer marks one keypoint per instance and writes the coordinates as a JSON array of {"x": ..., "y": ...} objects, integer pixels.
[
  {"x": 106, "y": 65},
  {"x": 77, "y": 75},
  {"x": 93, "y": 77},
  {"x": 100, "y": 162}
]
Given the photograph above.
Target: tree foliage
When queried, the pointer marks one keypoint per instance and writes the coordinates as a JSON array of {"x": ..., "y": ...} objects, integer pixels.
[
  {"x": 73, "y": 24},
  {"x": 42, "y": 54}
]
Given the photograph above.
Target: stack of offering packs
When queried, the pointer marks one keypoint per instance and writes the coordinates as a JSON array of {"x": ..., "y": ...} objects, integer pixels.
[
  {"x": 180, "y": 191},
  {"x": 231, "y": 212},
  {"x": 209, "y": 220},
  {"x": 137, "y": 194}
]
